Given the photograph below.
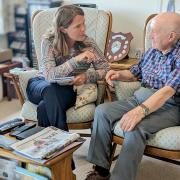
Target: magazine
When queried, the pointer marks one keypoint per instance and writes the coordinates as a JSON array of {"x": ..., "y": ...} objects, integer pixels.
[{"x": 45, "y": 143}]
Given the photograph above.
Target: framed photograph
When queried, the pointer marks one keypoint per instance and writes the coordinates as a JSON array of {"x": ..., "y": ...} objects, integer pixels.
[{"x": 118, "y": 46}]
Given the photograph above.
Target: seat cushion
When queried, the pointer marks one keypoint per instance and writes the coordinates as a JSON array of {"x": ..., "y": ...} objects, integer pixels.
[
  {"x": 82, "y": 114},
  {"x": 168, "y": 138},
  {"x": 124, "y": 90}
]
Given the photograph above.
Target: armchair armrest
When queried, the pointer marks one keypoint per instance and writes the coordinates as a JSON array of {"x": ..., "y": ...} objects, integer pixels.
[
  {"x": 20, "y": 80},
  {"x": 101, "y": 85},
  {"x": 123, "y": 90}
]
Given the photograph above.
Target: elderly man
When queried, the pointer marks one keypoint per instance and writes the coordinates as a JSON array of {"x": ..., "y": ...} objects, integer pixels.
[{"x": 152, "y": 107}]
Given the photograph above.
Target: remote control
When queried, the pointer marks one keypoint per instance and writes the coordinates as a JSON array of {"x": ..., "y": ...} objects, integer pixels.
[
  {"x": 22, "y": 129},
  {"x": 10, "y": 121},
  {"x": 6, "y": 127}
]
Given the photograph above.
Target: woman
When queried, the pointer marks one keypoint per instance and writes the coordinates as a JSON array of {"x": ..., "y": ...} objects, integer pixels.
[{"x": 66, "y": 51}]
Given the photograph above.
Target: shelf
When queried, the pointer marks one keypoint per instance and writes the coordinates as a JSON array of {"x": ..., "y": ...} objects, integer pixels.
[{"x": 18, "y": 41}]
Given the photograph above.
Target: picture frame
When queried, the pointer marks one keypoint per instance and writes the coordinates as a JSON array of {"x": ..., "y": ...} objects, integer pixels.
[{"x": 118, "y": 46}]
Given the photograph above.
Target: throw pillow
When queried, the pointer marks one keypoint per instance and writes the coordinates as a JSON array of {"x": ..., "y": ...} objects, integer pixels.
[{"x": 86, "y": 93}]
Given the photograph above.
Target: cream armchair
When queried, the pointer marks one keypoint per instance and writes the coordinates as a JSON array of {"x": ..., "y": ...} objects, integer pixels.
[
  {"x": 165, "y": 144},
  {"x": 98, "y": 25}
]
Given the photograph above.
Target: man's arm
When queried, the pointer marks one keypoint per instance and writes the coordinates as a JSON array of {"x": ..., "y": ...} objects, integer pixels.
[
  {"x": 159, "y": 98},
  {"x": 123, "y": 75},
  {"x": 153, "y": 103}
]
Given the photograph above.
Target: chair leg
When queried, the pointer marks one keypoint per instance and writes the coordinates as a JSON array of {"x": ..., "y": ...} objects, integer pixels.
[{"x": 113, "y": 152}]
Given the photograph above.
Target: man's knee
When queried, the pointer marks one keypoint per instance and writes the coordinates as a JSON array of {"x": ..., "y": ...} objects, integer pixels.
[{"x": 102, "y": 109}]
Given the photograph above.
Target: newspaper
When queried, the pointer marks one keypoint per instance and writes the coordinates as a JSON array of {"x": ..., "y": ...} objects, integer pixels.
[{"x": 44, "y": 143}]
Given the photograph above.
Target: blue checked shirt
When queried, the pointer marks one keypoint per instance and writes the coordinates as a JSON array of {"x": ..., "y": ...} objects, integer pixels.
[{"x": 157, "y": 70}]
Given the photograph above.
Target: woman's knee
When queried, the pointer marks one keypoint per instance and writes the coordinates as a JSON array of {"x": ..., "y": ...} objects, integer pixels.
[{"x": 50, "y": 90}]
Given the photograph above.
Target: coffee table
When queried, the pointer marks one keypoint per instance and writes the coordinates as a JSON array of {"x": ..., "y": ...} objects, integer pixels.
[{"x": 60, "y": 165}]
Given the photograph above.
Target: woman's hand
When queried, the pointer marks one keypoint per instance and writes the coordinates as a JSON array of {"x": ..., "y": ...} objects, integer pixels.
[
  {"x": 86, "y": 56},
  {"x": 131, "y": 119},
  {"x": 79, "y": 80},
  {"x": 111, "y": 75}
]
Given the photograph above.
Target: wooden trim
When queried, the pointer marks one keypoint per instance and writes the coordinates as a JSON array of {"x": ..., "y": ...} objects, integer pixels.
[
  {"x": 15, "y": 80},
  {"x": 154, "y": 151},
  {"x": 83, "y": 125},
  {"x": 109, "y": 31},
  {"x": 144, "y": 31},
  {"x": 108, "y": 92}
]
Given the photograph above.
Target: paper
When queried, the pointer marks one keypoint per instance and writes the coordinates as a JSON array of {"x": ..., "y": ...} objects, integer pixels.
[{"x": 44, "y": 143}]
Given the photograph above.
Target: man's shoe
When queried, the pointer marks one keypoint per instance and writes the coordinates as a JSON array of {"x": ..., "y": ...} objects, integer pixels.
[{"x": 94, "y": 175}]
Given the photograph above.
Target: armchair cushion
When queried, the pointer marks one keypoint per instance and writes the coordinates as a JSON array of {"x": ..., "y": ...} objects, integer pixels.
[
  {"x": 24, "y": 76},
  {"x": 86, "y": 93},
  {"x": 168, "y": 138},
  {"x": 124, "y": 90},
  {"x": 82, "y": 114}
]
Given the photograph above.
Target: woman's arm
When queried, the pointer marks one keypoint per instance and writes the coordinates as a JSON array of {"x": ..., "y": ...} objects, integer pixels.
[
  {"x": 100, "y": 64},
  {"x": 49, "y": 68}
]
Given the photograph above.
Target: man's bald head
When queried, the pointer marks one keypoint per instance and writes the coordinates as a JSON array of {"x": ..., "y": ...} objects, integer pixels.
[
  {"x": 168, "y": 21},
  {"x": 165, "y": 31}
]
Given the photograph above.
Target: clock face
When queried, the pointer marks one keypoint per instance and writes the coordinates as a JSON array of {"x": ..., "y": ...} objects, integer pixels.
[{"x": 118, "y": 47}]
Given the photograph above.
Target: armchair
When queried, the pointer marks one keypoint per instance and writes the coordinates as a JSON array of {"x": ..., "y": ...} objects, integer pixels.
[
  {"x": 98, "y": 25},
  {"x": 165, "y": 145}
]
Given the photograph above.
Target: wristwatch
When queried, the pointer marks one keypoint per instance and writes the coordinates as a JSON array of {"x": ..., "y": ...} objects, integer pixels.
[{"x": 145, "y": 109}]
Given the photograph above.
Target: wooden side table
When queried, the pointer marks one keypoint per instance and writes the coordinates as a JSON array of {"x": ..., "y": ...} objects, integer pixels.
[
  {"x": 8, "y": 89},
  {"x": 123, "y": 64}
]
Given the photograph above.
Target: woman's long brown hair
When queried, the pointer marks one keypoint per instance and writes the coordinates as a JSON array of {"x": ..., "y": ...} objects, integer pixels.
[{"x": 63, "y": 18}]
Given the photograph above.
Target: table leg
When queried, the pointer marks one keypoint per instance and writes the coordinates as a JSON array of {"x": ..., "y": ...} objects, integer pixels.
[{"x": 62, "y": 170}]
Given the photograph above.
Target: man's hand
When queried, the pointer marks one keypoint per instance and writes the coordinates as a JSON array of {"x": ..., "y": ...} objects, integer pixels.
[
  {"x": 131, "y": 119},
  {"x": 79, "y": 80},
  {"x": 111, "y": 75}
]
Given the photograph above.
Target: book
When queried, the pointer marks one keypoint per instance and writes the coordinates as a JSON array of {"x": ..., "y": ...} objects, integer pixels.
[
  {"x": 41, "y": 170},
  {"x": 24, "y": 174},
  {"x": 7, "y": 169},
  {"x": 45, "y": 143},
  {"x": 6, "y": 142}
]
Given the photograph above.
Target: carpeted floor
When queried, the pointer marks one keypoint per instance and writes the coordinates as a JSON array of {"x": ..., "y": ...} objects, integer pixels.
[{"x": 150, "y": 169}]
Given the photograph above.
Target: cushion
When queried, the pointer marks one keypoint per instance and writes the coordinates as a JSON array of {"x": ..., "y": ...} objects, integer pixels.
[
  {"x": 29, "y": 111},
  {"x": 168, "y": 138},
  {"x": 83, "y": 114},
  {"x": 24, "y": 77},
  {"x": 124, "y": 90},
  {"x": 86, "y": 93}
]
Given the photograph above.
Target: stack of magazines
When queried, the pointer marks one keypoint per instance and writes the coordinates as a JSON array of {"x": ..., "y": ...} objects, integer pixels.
[{"x": 44, "y": 144}]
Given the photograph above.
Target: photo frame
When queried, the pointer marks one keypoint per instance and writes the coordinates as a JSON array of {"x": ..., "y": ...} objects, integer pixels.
[{"x": 118, "y": 46}]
